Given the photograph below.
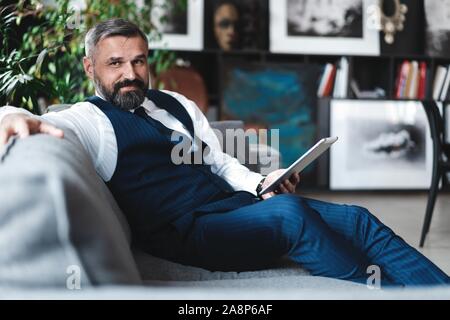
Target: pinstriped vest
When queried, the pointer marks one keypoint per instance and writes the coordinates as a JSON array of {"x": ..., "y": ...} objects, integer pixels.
[{"x": 150, "y": 189}]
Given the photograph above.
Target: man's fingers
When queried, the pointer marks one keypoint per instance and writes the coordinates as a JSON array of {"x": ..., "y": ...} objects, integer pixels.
[
  {"x": 4, "y": 135},
  {"x": 37, "y": 126},
  {"x": 23, "y": 126},
  {"x": 51, "y": 130},
  {"x": 283, "y": 189},
  {"x": 289, "y": 186},
  {"x": 295, "y": 178},
  {"x": 22, "y": 129}
]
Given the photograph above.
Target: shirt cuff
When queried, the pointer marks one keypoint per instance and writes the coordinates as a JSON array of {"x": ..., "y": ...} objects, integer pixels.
[
  {"x": 4, "y": 111},
  {"x": 251, "y": 182}
]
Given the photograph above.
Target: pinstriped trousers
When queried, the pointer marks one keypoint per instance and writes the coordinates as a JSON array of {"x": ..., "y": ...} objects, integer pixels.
[{"x": 330, "y": 240}]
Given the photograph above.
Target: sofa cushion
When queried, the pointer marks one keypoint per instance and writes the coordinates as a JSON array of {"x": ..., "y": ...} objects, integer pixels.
[
  {"x": 274, "y": 283},
  {"x": 157, "y": 269},
  {"x": 55, "y": 213}
]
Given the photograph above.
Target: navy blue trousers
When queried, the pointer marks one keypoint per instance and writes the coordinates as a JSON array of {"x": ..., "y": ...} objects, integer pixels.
[{"x": 330, "y": 240}]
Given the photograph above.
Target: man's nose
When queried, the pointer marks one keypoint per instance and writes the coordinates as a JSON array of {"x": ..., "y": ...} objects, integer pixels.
[{"x": 129, "y": 72}]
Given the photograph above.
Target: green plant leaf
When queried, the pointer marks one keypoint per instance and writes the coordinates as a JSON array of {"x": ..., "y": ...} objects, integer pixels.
[
  {"x": 40, "y": 56},
  {"x": 6, "y": 84},
  {"x": 52, "y": 67},
  {"x": 5, "y": 75},
  {"x": 30, "y": 103},
  {"x": 11, "y": 86},
  {"x": 39, "y": 61}
]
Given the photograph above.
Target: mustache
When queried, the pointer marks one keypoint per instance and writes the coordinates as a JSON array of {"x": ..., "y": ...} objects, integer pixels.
[{"x": 127, "y": 82}]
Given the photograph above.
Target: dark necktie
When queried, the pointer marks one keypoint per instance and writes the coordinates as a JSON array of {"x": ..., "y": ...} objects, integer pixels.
[{"x": 140, "y": 111}]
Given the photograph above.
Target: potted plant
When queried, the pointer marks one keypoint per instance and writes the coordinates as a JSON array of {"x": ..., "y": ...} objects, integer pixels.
[{"x": 43, "y": 45}]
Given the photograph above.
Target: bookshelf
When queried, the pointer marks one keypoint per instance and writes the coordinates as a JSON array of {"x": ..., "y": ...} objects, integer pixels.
[{"x": 369, "y": 72}]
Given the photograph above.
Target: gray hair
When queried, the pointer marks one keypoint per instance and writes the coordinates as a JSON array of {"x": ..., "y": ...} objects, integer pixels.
[{"x": 110, "y": 28}]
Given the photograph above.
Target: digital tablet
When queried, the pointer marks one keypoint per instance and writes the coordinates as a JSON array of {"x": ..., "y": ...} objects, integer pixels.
[{"x": 302, "y": 162}]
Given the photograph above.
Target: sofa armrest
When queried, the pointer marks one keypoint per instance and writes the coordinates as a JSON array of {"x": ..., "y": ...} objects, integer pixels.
[
  {"x": 256, "y": 157},
  {"x": 55, "y": 213}
]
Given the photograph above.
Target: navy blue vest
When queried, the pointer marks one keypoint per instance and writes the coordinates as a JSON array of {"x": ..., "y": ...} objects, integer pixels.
[{"x": 150, "y": 189}]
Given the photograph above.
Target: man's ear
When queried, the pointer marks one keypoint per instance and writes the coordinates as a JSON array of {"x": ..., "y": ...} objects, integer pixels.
[{"x": 88, "y": 67}]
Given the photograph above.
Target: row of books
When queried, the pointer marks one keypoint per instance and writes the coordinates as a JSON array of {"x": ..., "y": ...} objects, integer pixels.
[
  {"x": 334, "y": 80},
  {"x": 413, "y": 77},
  {"x": 411, "y": 80}
]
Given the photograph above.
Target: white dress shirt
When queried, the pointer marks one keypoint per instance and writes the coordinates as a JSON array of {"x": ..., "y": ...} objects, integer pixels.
[{"x": 96, "y": 134}]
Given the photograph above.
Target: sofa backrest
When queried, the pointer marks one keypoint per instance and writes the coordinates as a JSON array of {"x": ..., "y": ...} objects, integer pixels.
[{"x": 255, "y": 156}]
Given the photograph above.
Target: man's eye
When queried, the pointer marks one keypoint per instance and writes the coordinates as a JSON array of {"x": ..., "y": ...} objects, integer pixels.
[
  {"x": 138, "y": 62},
  {"x": 115, "y": 63}
]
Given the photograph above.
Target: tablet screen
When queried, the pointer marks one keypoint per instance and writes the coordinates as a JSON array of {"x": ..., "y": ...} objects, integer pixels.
[{"x": 302, "y": 162}]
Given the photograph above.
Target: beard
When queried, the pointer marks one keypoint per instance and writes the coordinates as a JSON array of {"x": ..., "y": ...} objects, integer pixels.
[{"x": 125, "y": 101}]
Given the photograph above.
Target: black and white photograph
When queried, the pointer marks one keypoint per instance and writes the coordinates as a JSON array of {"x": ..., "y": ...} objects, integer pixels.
[
  {"x": 170, "y": 17},
  {"x": 180, "y": 27},
  {"x": 447, "y": 123},
  {"x": 383, "y": 145},
  {"x": 325, "y": 18},
  {"x": 437, "y": 16},
  {"x": 322, "y": 26}
]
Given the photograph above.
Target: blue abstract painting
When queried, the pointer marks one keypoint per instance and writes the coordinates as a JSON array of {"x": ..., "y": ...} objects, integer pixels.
[{"x": 276, "y": 97}]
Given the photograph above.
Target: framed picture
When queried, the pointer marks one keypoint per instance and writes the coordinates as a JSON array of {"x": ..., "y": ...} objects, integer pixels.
[
  {"x": 437, "y": 30},
  {"x": 282, "y": 97},
  {"x": 382, "y": 145},
  {"x": 447, "y": 123},
  {"x": 447, "y": 130},
  {"x": 243, "y": 24},
  {"x": 181, "y": 28},
  {"x": 323, "y": 27}
]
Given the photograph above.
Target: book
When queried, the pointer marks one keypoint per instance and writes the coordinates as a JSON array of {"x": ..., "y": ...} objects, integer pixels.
[
  {"x": 355, "y": 88},
  {"x": 409, "y": 80},
  {"x": 402, "y": 78},
  {"x": 413, "y": 90},
  {"x": 438, "y": 82},
  {"x": 422, "y": 80},
  {"x": 342, "y": 80},
  {"x": 330, "y": 82},
  {"x": 324, "y": 79},
  {"x": 337, "y": 82},
  {"x": 443, "y": 94}
]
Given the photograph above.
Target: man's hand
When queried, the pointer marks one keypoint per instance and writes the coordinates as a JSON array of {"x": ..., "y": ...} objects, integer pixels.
[
  {"x": 23, "y": 125},
  {"x": 287, "y": 186}
]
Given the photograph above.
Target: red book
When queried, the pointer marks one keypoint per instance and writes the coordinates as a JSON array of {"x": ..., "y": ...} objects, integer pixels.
[
  {"x": 422, "y": 80},
  {"x": 330, "y": 82}
]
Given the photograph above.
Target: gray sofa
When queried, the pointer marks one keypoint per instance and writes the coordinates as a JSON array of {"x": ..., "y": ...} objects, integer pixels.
[{"x": 62, "y": 236}]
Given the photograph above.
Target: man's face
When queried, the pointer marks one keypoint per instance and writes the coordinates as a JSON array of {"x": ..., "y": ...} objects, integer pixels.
[
  {"x": 225, "y": 21},
  {"x": 120, "y": 71}
]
